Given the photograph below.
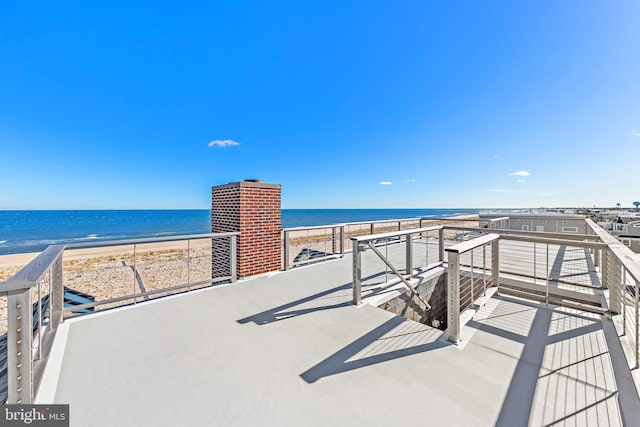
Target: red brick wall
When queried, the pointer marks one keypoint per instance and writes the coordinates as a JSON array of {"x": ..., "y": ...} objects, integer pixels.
[{"x": 253, "y": 209}]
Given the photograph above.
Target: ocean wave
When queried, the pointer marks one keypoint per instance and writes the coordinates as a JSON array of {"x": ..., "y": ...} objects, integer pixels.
[{"x": 2, "y": 242}]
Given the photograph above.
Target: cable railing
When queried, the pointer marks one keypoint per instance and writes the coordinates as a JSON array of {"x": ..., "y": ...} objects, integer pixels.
[
  {"x": 383, "y": 259},
  {"x": 306, "y": 245},
  {"x": 555, "y": 268},
  {"x": 620, "y": 272},
  {"x": 502, "y": 223},
  {"x": 97, "y": 276},
  {"x": 469, "y": 276}
]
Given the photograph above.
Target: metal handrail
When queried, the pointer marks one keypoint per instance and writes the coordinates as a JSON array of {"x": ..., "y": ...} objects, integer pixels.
[
  {"x": 620, "y": 265},
  {"x": 370, "y": 237},
  {"x": 361, "y": 243},
  {"x": 122, "y": 242},
  {"x": 542, "y": 234},
  {"x": 338, "y": 239},
  {"x": 453, "y": 279},
  {"x": 28, "y": 348},
  {"x": 382, "y": 221}
]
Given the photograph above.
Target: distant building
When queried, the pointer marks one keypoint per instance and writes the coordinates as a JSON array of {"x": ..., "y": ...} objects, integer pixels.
[{"x": 548, "y": 223}]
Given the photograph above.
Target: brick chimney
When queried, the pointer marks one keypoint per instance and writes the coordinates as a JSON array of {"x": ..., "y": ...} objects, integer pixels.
[{"x": 251, "y": 207}]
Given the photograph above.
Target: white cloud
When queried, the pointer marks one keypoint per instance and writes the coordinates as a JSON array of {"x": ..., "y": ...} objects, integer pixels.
[
  {"x": 520, "y": 173},
  {"x": 520, "y": 181},
  {"x": 223, "y": 143},
  {"x": 409, "y": 180},
  {"x": 495, "y": 156},
  {"x": 386, "y": 182},
  {"x": 635, "y": 133},
  {"x": 546, "y": 193}
]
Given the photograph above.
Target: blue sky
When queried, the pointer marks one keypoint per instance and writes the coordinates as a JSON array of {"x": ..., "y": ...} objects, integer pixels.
[{"x": 359, "y": 104}]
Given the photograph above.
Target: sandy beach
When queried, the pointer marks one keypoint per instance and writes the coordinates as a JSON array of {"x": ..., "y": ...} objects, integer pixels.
[{"x": 108, "y": 272}]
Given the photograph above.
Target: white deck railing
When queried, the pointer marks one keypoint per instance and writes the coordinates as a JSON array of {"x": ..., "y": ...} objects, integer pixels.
[
  {"x": 305, "y": 245},
  {"x": 621, "y": 276}
]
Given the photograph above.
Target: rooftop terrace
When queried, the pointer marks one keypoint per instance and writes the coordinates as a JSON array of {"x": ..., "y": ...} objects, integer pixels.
[{"x": 292, "y": 348}]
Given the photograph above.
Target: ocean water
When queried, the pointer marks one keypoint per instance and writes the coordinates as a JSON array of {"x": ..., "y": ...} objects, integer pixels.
[{"x": 33, "y": 231}]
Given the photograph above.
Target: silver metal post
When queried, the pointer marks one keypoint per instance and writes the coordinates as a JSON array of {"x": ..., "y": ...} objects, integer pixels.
[
  {"x": 233, "y": 258},
  {"x": 56, "y": 293},
  {"x": 19, "y": 343},
  {"x": 453, "y": 298},
  {"x": 484, "y": 270},
  {"x": 472, "y": 293},
  {"x": 426, "y": 248},
  {"x": 286, "y": 250},
  {"x": 307, "y": 249},
  {"x": 189, "y": 264},
  {"x": 495, "y": 264},
  {"x": 134, "y": 274},
  {"x": 637, "y": 337},
  {"x": 409, "y": 256},
  {"x": 334, "y": 245},
  {"x": 604, "y": 271},
  {"x": 357, "y": 273},
  {"x": 441, "y": 244},
  {"x": 535, "y": 275},
  {"x": 546, "y": 298},
  {"x": 342, "y": 240},
  {"x": 386, "y": 267},
  {"x": 624, "y": 303},
  {"x": 39, "y": 329}
]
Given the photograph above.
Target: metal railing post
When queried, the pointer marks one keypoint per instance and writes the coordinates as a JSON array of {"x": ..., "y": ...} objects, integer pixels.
[
  {"x": 472, "y": 293},
  {"x": 611, "y": 280},
  {"x": 57, "y": 293},
  {"x": 233, "y": 258},
  {"x": 604, "y": 271},
  {"x": 334, "y": 245},
  {"x": 637, "y": 337},
  {"x": 19, "y": 343},
  {"x": 441, "y": 244},
  {"x": 453, "y": 298},
  {"x": 357, "y": 273},
  {"x": 39, "y": 318},
  {"x": 535, "y": 266},
  {"x": 189, "y": 264},
  {"x": 624, "y": 305},
  {"x": 619, "y": 287},
  {"x": 342, "y": 240},
  {"x": 495, "y": 264},
  {"x": 409, "y": 256},
  {"x": 286, "y": 250},
  {"x": 134, "y": 274},
  {"x": 546, "y": 295},
  {"x": 484, "y": 270}
]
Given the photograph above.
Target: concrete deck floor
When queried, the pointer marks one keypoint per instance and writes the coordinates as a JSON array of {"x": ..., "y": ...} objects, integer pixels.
[{"x": 290, "y": 349}]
